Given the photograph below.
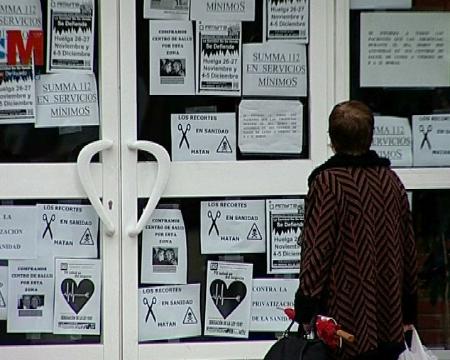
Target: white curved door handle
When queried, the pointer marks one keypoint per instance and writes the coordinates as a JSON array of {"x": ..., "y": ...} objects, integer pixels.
[
  {"x": 83, "y": 161},
  {"x": 163, "y": 159}
]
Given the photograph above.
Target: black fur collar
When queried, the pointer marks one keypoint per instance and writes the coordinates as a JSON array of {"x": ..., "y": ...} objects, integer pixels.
[{"x": 370, "y": 158}]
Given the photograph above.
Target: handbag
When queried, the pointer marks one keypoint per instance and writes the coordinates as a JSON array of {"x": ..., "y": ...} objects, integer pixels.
[
  {"x": 417, "y": 351},
  {"x": 295, "y": 346}
]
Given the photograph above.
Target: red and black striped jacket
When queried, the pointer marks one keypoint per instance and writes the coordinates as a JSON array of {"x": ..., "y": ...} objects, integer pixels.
[{"x": 358, "y": 253}]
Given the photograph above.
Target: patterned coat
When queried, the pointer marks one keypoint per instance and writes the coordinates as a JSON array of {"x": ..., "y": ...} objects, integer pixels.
[{"x": 358, "y": 262}]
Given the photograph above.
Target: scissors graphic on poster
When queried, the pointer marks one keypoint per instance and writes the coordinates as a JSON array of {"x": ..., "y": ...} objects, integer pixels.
[
  {"x": 183, "y": 137},
  {"x": 48, "y": 226},
  {"x": 213, "y": 221},
  {"x": 425, "y": 133},
  {"x": 150, "y": 308}
]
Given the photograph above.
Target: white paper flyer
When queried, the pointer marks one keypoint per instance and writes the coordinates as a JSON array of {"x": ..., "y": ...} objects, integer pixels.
[
  {"x": 70, "y": 36},
  {"x": 392, "y": 139},
  {"x": 232, "y": 226},
  {"x": 77, "y": 296},
  {"x": 286, "y": 20},
  {"x": 164, "y": 258},
  {"x": 67, "y": 230},
  {"x": 30, "y": 296},
  {"x": 18, "y": 232},
  {"x": 17, "y": 94},
  {"x": 276, "y": 68},
  {"x": 219, "y": 58},
  {"x": 166, "y": 9},
  {"x": 405, "y": 49},
  {"x": 228, "y": 299},
  {"x": 284, "y": 223},
  {"x": 203, "y": 137},
  {"x": 223, "y": 10},
  {"x": 431, "y": 138},
  {"x": 171, "y": 58},
  {"x": 66, "y": 99},
  {"x": 271, "y": 126},
  {"x": 169, "y": 312},
  {"x": 269, "y": 299}
]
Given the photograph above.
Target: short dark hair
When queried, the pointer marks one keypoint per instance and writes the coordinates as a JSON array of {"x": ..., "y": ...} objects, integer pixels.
[{"x": 350, "y": 127}]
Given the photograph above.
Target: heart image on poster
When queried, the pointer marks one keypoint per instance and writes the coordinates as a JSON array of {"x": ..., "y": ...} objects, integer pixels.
[
  {"x": 227, "y": 299},
  {"x": 77, "y": 295}
]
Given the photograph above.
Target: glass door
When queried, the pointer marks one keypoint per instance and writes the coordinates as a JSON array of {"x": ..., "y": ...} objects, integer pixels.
[
  {"x": 216, "y": 88},
  {"x": 389, "y": 55},
  {"x": 59, "y": 243}
]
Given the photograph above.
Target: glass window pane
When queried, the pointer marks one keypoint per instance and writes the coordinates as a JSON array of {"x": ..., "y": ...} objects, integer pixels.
[
  {"x": 431, "y": 212},
  {"x": 197, "y": 264},
  {"x": 402, "y": 43},
  {"x": 25, "y": 142},
  {"x": 42, "y": 299},
  {"x": 154, "y": 111}
]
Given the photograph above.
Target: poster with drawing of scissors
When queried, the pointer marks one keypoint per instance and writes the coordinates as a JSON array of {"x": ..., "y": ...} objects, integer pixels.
[
  {"x": 203, "y": 137},
  {"x": 232, "y": 226},
  {"x": 18, "y": 232},
  {"x": 431, "y": 140},
  {"x": 169, "y": 312},
  {"x": 164, "y": 259},
  {"x": 67, "y": 230}
]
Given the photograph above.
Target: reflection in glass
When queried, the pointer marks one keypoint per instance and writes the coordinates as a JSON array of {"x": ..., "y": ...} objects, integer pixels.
[
  {"x": 431, "y": 211},
  {"x": 393, "y": 100}
]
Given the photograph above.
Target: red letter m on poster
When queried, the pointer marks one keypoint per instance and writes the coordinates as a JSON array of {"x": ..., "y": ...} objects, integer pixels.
[{"x": 18, "y": 46}]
